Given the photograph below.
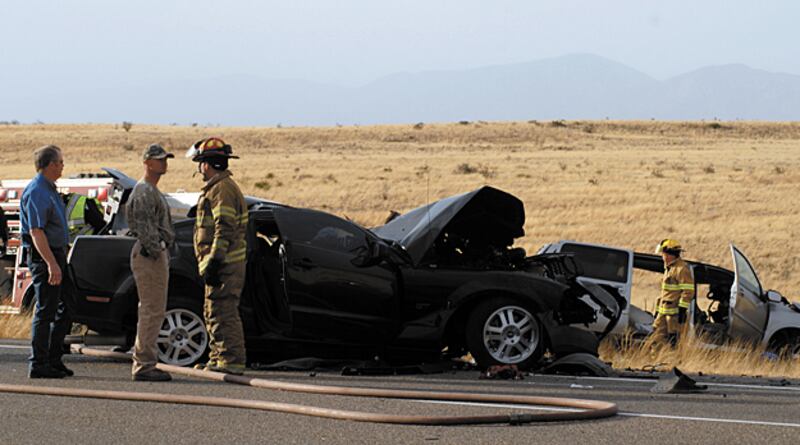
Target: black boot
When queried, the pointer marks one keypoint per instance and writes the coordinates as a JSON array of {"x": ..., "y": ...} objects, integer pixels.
[
  {"x": 45, "y": 372},
  {"x": 59, "y": 366}
]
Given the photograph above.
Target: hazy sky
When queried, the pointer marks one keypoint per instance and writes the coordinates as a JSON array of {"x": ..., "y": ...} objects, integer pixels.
[{"x": 49, "y": 44}]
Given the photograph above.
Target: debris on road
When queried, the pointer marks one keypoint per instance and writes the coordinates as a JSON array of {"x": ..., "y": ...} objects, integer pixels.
[
  {"x": 676, "y": 382},
  {"x": 580, "y": 364},
  {"x": 505, "y": 372}
]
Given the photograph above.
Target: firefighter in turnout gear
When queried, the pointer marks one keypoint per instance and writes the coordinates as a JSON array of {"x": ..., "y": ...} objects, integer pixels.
[
  {"x": 677, "y": 292},
  {"x": 220, "y": 248}
]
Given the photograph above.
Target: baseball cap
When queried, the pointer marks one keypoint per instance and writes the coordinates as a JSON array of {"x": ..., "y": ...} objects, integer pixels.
[{"x": 156, "y": 151}]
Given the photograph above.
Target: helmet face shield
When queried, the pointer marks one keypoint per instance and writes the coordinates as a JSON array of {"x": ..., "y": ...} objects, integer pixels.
[{"x": 194, "y": 150}]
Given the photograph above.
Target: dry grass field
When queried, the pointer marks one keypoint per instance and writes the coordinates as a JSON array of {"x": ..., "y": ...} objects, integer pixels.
[
  {"x": 620, "y": 183},
  {"x": 15, "y": 326}
]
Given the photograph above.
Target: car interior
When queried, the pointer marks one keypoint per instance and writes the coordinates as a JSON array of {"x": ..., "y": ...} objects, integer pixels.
[
  {"x": 712, "y": 294},
  {"x": 264, "y": 292}
]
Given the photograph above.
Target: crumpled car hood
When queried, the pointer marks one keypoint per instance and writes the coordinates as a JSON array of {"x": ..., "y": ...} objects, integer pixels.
[{"x": 487, "y": 212}]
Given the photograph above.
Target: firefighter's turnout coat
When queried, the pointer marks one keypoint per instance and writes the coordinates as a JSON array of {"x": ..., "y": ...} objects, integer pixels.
[
  {"x": 677, "y": 291},
  {"x": 221, "y": 223}
]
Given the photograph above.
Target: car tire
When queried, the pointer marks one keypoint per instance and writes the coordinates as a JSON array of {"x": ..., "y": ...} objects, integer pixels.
[
  {"x": 183, "y": 338},
  {"x": 504, "y": 331},
  {"x": 785, "y": 342}
]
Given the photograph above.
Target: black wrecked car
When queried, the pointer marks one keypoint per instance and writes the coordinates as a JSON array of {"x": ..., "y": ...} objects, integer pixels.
[{"x": 442, "y": 279}]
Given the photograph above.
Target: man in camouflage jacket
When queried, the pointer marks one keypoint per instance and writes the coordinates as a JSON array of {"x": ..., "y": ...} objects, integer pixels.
[
  {"x": 150, "y": 222},
  {"x": 220, "y": 248}
]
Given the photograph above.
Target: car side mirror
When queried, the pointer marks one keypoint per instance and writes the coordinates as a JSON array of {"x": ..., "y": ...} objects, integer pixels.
[
  {"x": 774, "y": 296},
  {"x": 370, "y": 254}
]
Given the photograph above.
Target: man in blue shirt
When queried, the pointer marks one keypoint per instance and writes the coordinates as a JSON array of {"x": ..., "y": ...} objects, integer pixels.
[{"x": 45, "y": 237}]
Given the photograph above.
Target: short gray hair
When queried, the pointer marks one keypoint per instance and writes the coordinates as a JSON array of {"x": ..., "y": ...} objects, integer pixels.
[{"x": 43, "y": 156}]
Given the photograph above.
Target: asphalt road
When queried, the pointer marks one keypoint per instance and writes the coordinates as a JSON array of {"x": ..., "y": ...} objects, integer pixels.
[{"x": 740, "y": 411}]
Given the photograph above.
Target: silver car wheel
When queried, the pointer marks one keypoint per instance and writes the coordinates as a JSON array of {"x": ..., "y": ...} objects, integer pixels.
[
  {"x": 182, "y": 339},
  {"x": 511, "y": 334}
]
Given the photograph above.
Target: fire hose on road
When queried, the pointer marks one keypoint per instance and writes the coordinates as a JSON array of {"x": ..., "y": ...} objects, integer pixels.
[{"x": 584, "y": 409}]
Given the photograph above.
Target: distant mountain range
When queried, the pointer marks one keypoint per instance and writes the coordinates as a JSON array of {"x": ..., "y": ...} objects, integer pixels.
[{"x": 570, "y": 87}]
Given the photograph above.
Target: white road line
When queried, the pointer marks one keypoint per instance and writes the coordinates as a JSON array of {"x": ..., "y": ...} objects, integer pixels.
[
  {"x": 712, "y": 419},
  {"x": 652, "y": 381},
  {"x": 14, "y": 347},
  {"x": 642, "y": 381},
  {"x": 621, "y": 413}
]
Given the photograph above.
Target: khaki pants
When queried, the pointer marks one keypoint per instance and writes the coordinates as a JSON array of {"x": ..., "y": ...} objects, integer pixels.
[
  {"x": 221, "y": 313},
  {"x": 152, "y": 280}
]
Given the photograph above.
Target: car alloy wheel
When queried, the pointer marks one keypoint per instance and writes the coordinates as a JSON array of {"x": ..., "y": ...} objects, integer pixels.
[
  {"x": 183, "y": 338},
  {"x": 511, "y": 334}
]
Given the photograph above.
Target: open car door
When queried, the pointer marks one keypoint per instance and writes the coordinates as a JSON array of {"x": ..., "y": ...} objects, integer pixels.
[{"x": 748, "y": 306}]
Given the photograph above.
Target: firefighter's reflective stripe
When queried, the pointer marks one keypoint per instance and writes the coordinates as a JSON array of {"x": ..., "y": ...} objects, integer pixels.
[
  {"x": 220, "y": 244},
  {"x": 677, "y": 287},
  {"x": 236, "y": 256},
  {"x": 85, "y": 230},
  {"x": 203, "y": 264},
  {"x": 684, "y": 304},
  {"x": 222, "y": 211},
  {"x": 667, "y": 310},
  {"x": 204, "y": 220}
]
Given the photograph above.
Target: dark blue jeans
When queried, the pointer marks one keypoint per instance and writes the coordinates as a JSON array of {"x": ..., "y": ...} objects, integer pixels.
[{"x": 51, "y": 321}]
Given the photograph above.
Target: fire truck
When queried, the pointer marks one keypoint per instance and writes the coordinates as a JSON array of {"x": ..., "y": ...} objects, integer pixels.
[{"x": 16, "y": 293}]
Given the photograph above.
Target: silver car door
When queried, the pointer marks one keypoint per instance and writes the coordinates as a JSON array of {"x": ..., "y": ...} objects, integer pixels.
[{"x": 748, "y": 308}]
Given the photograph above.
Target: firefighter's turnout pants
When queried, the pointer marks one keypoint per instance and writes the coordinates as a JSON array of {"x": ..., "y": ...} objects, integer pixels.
[
  {"x": 666, "y": 322},
  {"x": 221, "y": 313}
]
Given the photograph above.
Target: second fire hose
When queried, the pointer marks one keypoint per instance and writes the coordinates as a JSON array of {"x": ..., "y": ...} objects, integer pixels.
[{"x": 579, "y": 409}]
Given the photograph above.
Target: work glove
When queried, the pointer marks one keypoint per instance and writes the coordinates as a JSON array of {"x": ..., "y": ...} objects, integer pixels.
[
  {"x": 682, "y": 315},
  {"x": 211, "y": 275}
]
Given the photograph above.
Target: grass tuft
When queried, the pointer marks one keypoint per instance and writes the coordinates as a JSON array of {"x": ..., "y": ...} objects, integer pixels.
[{"x": 737, "y": 359}]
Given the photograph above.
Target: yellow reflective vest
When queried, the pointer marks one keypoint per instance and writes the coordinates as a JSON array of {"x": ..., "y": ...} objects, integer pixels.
[
  {"x": 676, "y": 287},
  {"x": 221, "y": 222},
  {"x": 76, "y": 216}
]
